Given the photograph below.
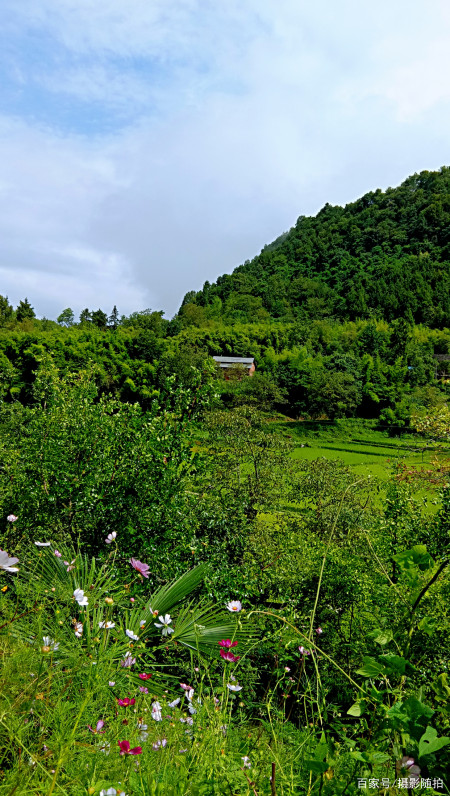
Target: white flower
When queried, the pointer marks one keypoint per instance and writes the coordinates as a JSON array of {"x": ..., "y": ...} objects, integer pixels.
[
  {"x": 48, "y": 642},
  {"x": 12, "y": 518},
  {"x": 80, "y": 597},
  {"x": 234, "y": 688},
  {"x": 234, "y": 606},
  {"x": 165, "y": 622},
  {"x": 111, "y": 791},
  {"x": 142, "y": 623},
  {"x": 246, "y": 762},
  {"x": 107, "y": 625},
  {"x": 132, "y": 635},
  {"x": 42, "y": 544},
  {"x": 156, "y": 711},
  {"x": 78, "y": 629},
  {"x": 110, "y": 538},
  {"x": 6, "y": 562},
  {"x": 174, "y": 703}
]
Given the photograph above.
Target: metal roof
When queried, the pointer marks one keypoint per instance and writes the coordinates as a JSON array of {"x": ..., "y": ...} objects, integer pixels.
[{"x": 234, "y": 360}]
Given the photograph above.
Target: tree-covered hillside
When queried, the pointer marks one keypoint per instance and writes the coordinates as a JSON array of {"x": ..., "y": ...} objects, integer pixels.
[{"x": 386, "y": 255}]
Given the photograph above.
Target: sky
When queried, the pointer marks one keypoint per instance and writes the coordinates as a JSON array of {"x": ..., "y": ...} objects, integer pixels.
[{"x": 149, "y": 145}]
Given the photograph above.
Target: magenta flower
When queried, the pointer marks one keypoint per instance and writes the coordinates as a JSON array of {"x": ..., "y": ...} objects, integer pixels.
[
  {"x": 303, "y": 651},
  {"x": 319, "y": 631},
  {"x": 227, "y": 643},
  {"x": 143, "y": 569},
  {"x": 125, "y": 702},
  {"x": 144, "y": 676},
  {"x": 228, "y": 656},
  {"x": 124, "y": 747},
  {"x": 98, "y": 728},
  {"x": 143, "y": 689},
  {"x": 57, "y": 554}
]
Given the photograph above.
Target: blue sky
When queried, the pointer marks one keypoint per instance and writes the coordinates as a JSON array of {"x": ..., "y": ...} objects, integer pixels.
[{"x": 150, "y": 145}]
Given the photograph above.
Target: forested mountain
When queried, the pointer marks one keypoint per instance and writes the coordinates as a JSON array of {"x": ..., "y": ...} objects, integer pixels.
[{"x": 386, "y": 255}]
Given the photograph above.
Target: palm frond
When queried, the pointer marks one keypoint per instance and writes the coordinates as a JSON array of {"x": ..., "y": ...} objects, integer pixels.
[{"x": 169, "y": 595}]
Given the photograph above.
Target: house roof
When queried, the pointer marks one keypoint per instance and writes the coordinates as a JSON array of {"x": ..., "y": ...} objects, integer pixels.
[{"x": 225, "y": 362}]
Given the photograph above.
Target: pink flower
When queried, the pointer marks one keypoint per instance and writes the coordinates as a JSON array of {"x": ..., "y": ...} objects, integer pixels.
[
  {"x": 186, "y": 687},
  {"x": 12, "y": 518},
  {"x": 143, "y": 569},
  {"x": 98, "y": 727},
  {"x": 144, "y": 676},
  {"x": 124, "y": 747},
  {"x": 57, "y": 553},
  {"x": 125, "y": 702},
  {"x": 303, "y": 651},
  {"x": 227, "y": 643},
  {"x": 319, "y": 631},
  {"x": 143, "y": 689},
  {"x": 128, "y": 661},
  {"x": 228, "y": 656},
  {"x": 234, "y": 606}
]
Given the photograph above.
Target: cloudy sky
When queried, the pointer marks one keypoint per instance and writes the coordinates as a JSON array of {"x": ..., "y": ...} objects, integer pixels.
[{"x": 149, "y": 145}]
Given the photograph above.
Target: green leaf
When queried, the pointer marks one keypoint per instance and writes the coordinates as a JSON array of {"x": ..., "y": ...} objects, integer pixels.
[
  {"x": 441, "y": 687},
  {"x": 370, "y": 667},
  {"x": 382, "y": 637},
  {"x": 430, "y": 743}
]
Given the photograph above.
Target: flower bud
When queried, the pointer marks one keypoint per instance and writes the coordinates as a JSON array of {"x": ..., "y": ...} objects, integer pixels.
[
  {"x": 45, "y": 649},
  {"x": 109, "y": 601}
]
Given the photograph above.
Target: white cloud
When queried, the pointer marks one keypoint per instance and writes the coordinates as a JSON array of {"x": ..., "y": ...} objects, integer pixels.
[{"x": 239, "y": 117}]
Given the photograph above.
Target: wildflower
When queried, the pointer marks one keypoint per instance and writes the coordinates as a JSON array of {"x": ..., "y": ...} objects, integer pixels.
[
  {"x": 6, "y": 562},
  {"x": 246, "y": 762},
  {"x": 303, "y": 651},
  {"x": 98, "y": 728},
  {"x": 319, "y": 631},
  {"x": 227, "y": 643},
  {"x": 42, "y": 544},
  {"x": 110, "y": 538},
  {"x": 124, "y": 747},
  {"x": 106, "y": 748},
  {"x": 80, "y": 597},
  {"x": 164, "y": 624},
  {"x": 234, "y": 688},
  {"x": 408, "y": 764},
  {"x": 182, "y": 751},
  {"x": 132, "y": 635},
  {"x": 57, "y": 554},
  {"x": 288, "y": 668},
  {"x": 142, "y": 623},
  {"x": 12, "y": 518},
  {"x": 144, "y": 676},
  {"x": 48, "y": 642},
  {"x": 143, "y": 734},
  {"x": 143, "y": 569},
  {"x": 159, "y": 744},
  {"x": 186, "y": 687},
  {"x": 128, "y": 661},
  {"x": 156, "y": 711},
  {"x": 124, "y": 703},
  {"x": 111, "y": 683},
  {"x": 78, "y": 629},
  {"x": 143, "y": 689},
  {"x": 107, "y": 625},
  {"x": 111, "y": 791},
  {"x": 228, "y": 656},
  {"x": 234, "y": 606},
  {"x": 174, "y": 703}
]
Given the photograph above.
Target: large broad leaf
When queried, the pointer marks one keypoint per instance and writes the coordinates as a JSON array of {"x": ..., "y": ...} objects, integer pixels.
[
  {"x": 370, "y": 668},
  {"x": 430, "y": 743},
  {"x": 172, "y": 593}
]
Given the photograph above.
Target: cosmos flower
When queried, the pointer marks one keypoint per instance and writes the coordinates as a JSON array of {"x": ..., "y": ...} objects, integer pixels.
[
  {"x": 143, "y": 689},
  {"x": 78, "y": 629},
  {"x": 128, "y": 661},
  {"x": 234, "y": 688},
  {"x": 303, "y": 651},
  {"x": 12, "y": 518},
  {"x": 159, "y": 744},
  {"x": 143, "y": 569},
  {"x": 246, "y": 762},
  {"x": 107, "y": 625},
  {"x": 57, "y": 554},
  {"x": 228, "y": 656},
  {"x": 98, "y": 728},
  {"x": 156, "y": 711},
  {"x": 111, "y": 683},
  {"x": 124, "y": 703},
  {"x": 319, "y": 631},
  {"x": 164, "y": 624},
  {"x": 110, "y": 538},
  {"x": 80, "y": 597},
  {"x": 144, "y": 676},
  {"x": 48, "y": 642},
  {"x": 124, "y": 747},
  {"x": 174, "y": 703},
  {"x": 132, "y": 635},
  {"x": 234, "y": 606},
  {"x": 227, "y": 643},
  {"x": 7, "y": 561},
  {"x": 42, "y": 544}
]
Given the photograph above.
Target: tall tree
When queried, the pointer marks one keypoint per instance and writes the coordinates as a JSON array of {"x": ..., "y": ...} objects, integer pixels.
[
  {"x": 100, "y": 319},
  {"x": 25, "y": 311},
  {"x": 85, "y": 316},
  {"x": 113, "y": 320},
  {"x": 66, "y": 318},
  {"x": 6, "y": 309}
]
